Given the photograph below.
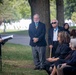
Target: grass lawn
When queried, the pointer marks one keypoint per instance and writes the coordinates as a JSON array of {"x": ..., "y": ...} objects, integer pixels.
[
  {"x": 17, "y": 60},
  {"x": 23, "y": 32}
]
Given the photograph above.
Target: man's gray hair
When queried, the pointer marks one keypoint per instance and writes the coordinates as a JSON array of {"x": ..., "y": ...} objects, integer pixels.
[{"x": 36, "y": 15}]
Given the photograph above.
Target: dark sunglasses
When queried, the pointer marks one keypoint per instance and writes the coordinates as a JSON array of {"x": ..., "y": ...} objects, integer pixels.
[{"x": 53, "y": 22}]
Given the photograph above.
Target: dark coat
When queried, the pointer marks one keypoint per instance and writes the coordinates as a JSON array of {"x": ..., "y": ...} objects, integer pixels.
[
  {"x": 67, "y": 31},
  {"x": 50, "y": 34},
  {"x": 62, "y": 51},
  {"x": 72, "y": 60},
  {"x": 38, "y": 33}
]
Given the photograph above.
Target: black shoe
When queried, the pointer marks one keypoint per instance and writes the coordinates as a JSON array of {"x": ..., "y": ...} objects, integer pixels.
[{"x": 36, "y": 68}]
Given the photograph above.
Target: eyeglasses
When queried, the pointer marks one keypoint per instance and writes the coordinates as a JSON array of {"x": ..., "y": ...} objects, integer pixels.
[{"x": 53, "y": 22}]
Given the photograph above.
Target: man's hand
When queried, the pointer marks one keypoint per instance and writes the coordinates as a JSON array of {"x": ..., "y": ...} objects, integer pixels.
[
  {"x": 0, "y": 40},
  {"x": 35, "y": 40},
  {"x": 51, "y": 46}
]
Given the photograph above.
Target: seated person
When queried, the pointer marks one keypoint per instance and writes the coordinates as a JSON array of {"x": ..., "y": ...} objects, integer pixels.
[
  {"x": 61, "y": 51},
  {"x": 68, "y": 66},
  {"x": 72, "y": 69}
]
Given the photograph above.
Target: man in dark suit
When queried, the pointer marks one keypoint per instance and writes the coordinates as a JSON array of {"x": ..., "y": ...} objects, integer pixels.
[
  {"x": 52, "y": 36},
  {"x": 37, "y": 33}
]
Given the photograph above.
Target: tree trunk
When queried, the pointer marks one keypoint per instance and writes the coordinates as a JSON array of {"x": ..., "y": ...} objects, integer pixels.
[
  {"x": 60, "y": 11},
  {"x": 41, "y": 7}
]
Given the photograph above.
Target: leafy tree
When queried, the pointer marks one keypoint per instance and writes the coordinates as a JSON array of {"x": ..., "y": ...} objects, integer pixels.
[
  {"x": 70, "y": 7},
  {"x": 15, "y": 9},
  {"x": 73, "y": 17}
]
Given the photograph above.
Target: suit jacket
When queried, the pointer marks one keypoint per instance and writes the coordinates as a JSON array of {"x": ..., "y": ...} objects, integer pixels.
[
  {"x": 72, "y": 60},
  {"x": 38, "y": 33},
  {"x": 50, "y": 34}
]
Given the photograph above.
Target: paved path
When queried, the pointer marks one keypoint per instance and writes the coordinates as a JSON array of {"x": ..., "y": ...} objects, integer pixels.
[
  {"x": 22, "y": 39},
  {"x": 19, "y": 39}
]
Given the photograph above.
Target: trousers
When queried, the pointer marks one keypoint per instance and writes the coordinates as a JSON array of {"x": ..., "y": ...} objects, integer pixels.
[{"x": 39, "y": 56}]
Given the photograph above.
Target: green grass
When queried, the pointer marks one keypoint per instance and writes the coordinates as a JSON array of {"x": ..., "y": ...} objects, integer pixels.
[
  {"x": 23, "y": 32},
  {"x": 16, "y": 52},
  {"x": 17, "y": 60}
]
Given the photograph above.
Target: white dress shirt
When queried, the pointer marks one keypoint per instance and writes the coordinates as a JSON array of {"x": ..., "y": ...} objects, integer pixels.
[{"x": 55, "y": 34}]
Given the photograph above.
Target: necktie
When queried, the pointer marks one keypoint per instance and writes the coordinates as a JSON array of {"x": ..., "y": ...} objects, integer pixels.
[{"x": 36, "y": 24}]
